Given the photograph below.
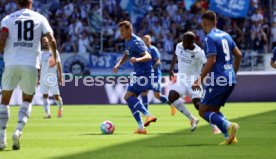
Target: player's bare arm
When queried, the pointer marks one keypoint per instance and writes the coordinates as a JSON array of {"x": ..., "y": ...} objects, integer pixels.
[
  {"x": 174, "y": 60},
  {"x": 3, "y": 38},
  {"x": 59, "y": 70},
  {"x": 53, "y": 48},
  {"x": 211, "y": 60},
  {"x": 146, "y": 57},
  {"x": 237, "y": 60},
  {"x": 120, "y": 62}
]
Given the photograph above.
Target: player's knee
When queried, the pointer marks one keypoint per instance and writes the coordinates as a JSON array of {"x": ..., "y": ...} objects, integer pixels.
[
  {"x": 45, "y": 95},
  {"x": 126, "y": 97},
  {"x": 196, "y": 103},
  {"x": 5, "y": 100},
  {"x": 201, "y": 111},
  {"x": 173, "y": 96},
  {"x": 27, "y": 98},
  {"x": 6, "y": 96},
  {"x": 157, "y": 95},
  {"x": 144, "y": 94},
  {"x": 57, "y": 97}
]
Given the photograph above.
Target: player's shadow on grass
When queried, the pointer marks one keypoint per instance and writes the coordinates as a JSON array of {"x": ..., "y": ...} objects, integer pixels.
[{"x": 198, "y": 145}]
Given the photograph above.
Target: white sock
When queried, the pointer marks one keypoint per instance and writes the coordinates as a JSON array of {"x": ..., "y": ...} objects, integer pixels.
[
  {"x": 4, "y": 116},
  {"x": 46, "y": 104},
  {"x": 23, "y": 115},
  {"x": 141, "y": 126},
  {"x": 59, "y": 102},
  {"x": 181, "y": 107},
  {"x": 213, "y": 126}
]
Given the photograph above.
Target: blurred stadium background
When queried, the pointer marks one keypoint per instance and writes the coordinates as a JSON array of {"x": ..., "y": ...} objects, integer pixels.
[{"x": 89, "y": 41}]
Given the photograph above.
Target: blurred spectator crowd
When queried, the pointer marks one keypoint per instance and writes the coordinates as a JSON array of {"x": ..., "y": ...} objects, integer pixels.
[{"x": 77, "y": 24}]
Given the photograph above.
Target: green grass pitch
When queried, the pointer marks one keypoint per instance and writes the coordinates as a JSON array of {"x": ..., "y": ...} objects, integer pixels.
[{"x": 77, "y": 134}]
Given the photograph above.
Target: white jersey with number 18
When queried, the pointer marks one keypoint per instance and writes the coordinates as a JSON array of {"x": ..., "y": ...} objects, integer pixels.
[{"x": 25, "y": 28}]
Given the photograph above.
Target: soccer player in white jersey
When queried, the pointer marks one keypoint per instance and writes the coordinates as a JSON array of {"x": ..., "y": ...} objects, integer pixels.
[
  {"x": 190, "y": 62},
  {"x": 20, "y": 38},
  {"x": 49, "y": 79}
]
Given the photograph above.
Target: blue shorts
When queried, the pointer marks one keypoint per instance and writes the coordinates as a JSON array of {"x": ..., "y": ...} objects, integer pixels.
[
  {"x": 139, "y": 85},
  {"x": 216, "y": 96},
  {"x": 156, "y": 86}
]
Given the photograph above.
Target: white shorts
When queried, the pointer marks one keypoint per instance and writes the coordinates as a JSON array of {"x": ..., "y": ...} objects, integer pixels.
[
  {"x": 24, "y": 76},
  {"x": 46, "y": 89},
  {"x": 186, "y": 90}
]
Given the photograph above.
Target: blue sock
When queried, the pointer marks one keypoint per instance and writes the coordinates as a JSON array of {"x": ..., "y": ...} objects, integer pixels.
[
  {"x": 215, "y": 118},
  {"x": 135, "y": 112},
  {"x": 220, "y": 114},
  {"x": 136, "y": 104},
  {"x": 145, "y": 101},
  {"x": 163, "y": 99}
]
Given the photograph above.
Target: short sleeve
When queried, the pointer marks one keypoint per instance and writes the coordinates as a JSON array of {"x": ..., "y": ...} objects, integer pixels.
[
  {"x": 274, "y": 54},
  {"x": 46, "y": 28},
  {"x": 203, "y": 58},
  {"x": 139, "y": 46},
  {"x": 210, "y": 45},
  {"x": 155, "y": 54},
  {"x": 4, "y": 22},
  {"x": 233, "y": 44}
]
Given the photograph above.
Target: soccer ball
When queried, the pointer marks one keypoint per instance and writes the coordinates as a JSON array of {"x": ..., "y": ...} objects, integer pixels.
[{"x": 107, "y": 127}]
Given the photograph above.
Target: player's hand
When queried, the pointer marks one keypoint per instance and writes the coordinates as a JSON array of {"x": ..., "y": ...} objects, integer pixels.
[
  {"x": 196, "y": 85},
  {"x": 115, "y": 69},
  {"x": 60, "y": 81},
  {"x": 133, "y": 60},
  {"x": 52, "y": 62},
  {"x": 171, "y": 75}
]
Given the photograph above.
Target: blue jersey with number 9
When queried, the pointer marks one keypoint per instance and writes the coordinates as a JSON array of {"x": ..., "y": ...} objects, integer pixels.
[{"x": 221, "y": 44}]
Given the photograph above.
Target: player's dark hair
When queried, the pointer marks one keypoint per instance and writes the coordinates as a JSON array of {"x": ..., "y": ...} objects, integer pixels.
[
  {"x": 209, "y": 15},
  {"x": 23, "y": 3},
  {"x": 189, "y": 36},
  {"x": 126, "y": 24}
]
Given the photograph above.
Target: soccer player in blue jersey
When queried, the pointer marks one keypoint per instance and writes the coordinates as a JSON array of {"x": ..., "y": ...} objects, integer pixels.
[
  {"x": 156, "y": 86},
  {"x": 140, "y": 57},
  {"x": 219, "y": 48},
  {"x": 273, "y": 59}
]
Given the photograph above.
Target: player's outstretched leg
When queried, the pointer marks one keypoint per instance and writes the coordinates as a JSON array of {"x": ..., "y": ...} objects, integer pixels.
[
  {"x": 46, "y": 105},
  {"x": 228, "y": 128},
  {"x": 59, "y": 102},
  {"x": 140, "y": 107},
  {"x": 4, "y": 117},
  {"x": 181, "y": 108},
  {"x": 174, "y": 99},
  {"x": 135, "y": 104},
  {"x": 136, "y": 114}
]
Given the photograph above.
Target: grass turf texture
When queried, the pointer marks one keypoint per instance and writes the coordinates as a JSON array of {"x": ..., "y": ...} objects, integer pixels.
[{"x": 77, "y": 134}]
